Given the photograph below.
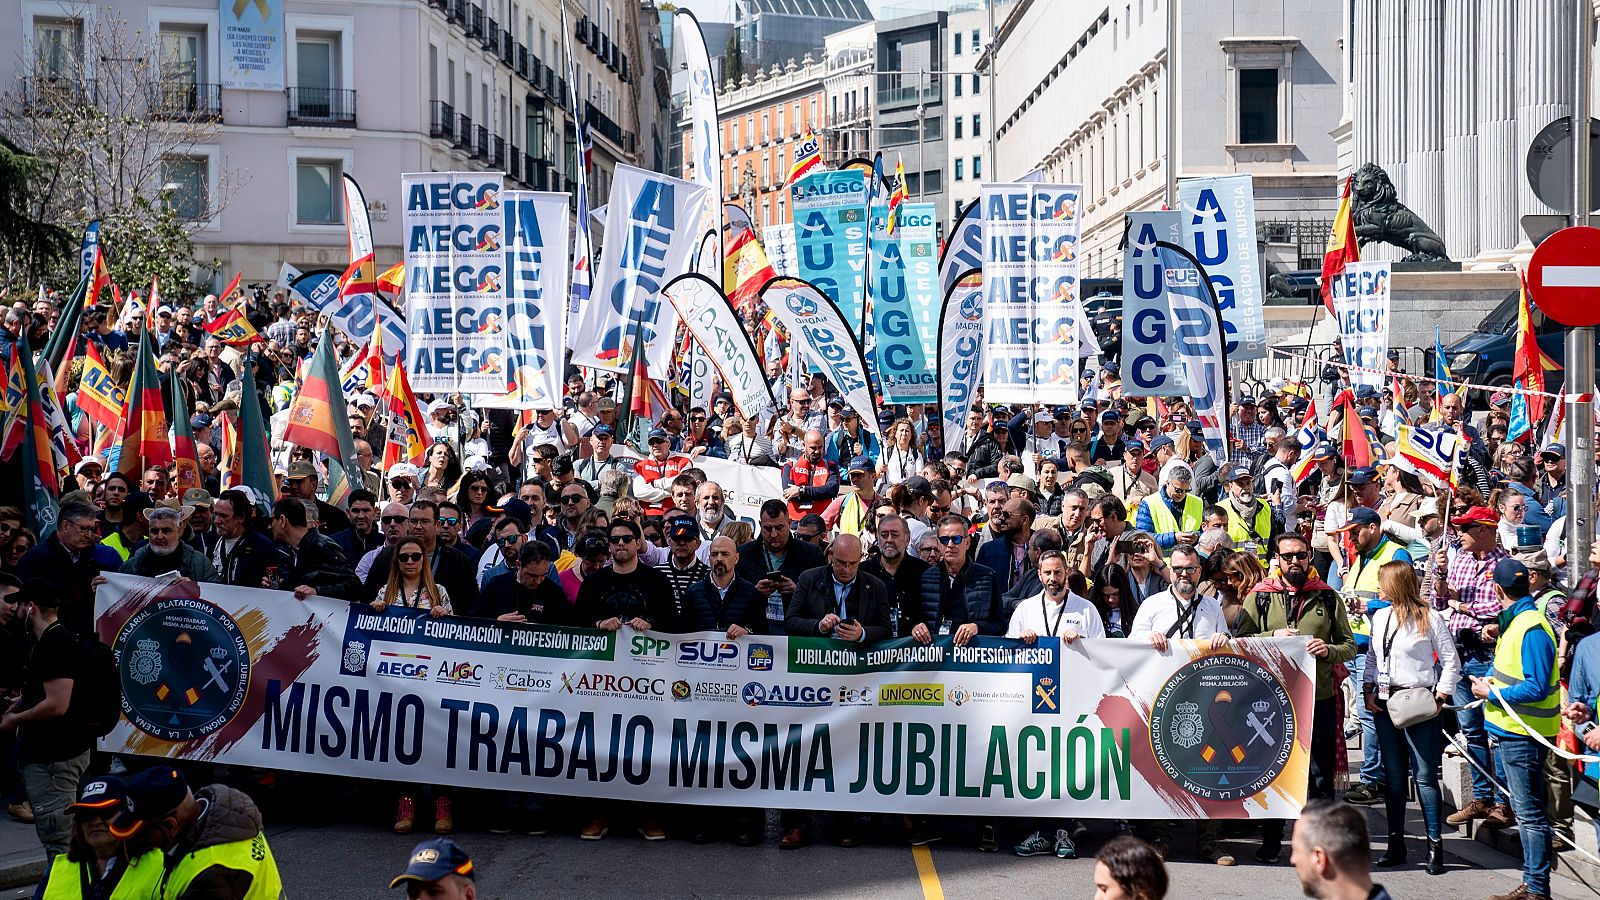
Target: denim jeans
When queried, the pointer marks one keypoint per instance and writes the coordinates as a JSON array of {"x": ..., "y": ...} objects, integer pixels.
[
  {"x": 1522, "y": 760},
  {"x": 51, "y": 788},
  {"x": 1473, "y": 732},
  {"x": 1372, "y": 759},
  {"x": 1420, "y": 749}
]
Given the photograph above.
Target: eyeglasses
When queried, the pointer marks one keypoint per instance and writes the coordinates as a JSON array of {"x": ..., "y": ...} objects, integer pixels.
[
  {"x": 162, "y": 531},
  {"x": 617, "y": 539},
  {"x": 1185, "y": 570},
  {"x": 573, "y": 498},
  {"x": 939, "y": 509},
  {"x": 477, "y": 487},
  {"x": 801, "y": 402},
  {"x": 808, "y": 538},
  {"x": 393, "y": 520},
  {"x": 408, "y": 557},
  {"x": 452, "y": 521},
  {"x": 697, "y": 418},
  {"x": 508, "y": 539},
  {"x": 1294, "y": 555},
  {"x": 951, "y": 540}
]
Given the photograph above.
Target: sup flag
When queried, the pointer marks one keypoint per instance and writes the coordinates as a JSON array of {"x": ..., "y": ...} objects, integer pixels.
[
  {"x": 709, "y": 317},
  {"x": 232, "y": 328},
  {"x": 1199, "y": 345},
  {"x": 1342, "y": 248},
  {"x": 318, "y": 418},
  {"x": 144, "y": 420},
  {"x": 98, "y": 395},
  {"x": 820, "y": 333},
  {"x": 1433, "y": 452},
  {"x": 960, "y": 355},
  {"x": 807, "y": 156}
]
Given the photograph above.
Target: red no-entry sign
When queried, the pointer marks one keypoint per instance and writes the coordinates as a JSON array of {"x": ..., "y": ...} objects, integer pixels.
[{"x": 1564, "y": 277}]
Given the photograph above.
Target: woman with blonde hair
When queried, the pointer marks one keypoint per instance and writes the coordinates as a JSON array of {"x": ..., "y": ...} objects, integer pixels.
[
  {"x": 900, "y": 458},
  {"x": 1407, "y": 637},
  {"x": 1237, "y": 576}
]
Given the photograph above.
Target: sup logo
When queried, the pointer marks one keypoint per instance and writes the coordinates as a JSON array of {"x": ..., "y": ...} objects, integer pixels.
[
  {"x": 1222, "y": 727},
  {"x": 185, "y": 669},
  {"x": 801, "y": 305}
]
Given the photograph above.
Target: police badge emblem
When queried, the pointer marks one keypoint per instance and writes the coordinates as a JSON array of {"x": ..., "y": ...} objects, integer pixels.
[
  {"x": 1186, "y": 727},
  {"x": 355, "y": 658}
]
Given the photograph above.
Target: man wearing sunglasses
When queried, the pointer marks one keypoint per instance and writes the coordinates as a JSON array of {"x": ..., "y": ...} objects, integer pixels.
[
  {"x": 1129, "y": 481},
  {"x": 1294, "y": 603},
  {"x": 452, "y": 569},
  {"x": 363, "y": 535},
  {"x": 960, "y": 598}
]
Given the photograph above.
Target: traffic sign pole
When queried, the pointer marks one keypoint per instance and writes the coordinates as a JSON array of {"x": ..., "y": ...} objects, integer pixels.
[{"x": 1580, "y": 341}]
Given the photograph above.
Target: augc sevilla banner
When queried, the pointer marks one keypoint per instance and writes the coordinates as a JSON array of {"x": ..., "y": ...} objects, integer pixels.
[
  {"x": 905, "y": 302},
  {"x": 1101, "y": 728},
  {"x": 538, "y": 268},
  {"x": 830, "y": 238},
  {"x": 1219, "y": 228},
  {"x": 1361, "y": 305},
  {"x": 820, "y": 331},
  {"x": 1032, "y": 312},
  {"x": 1147, "y": 367},
  {"x": 455, "y": 282},
  {"x": 716, "y": 328}
]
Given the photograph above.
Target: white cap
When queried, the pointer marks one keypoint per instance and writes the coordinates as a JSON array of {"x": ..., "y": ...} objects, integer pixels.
[
  {"x": 402, "y": 470},
  {"x": 89, "y": 461},
  {"x": 474, "y": 463},
  {"x": 1427, "y": 506},
  {"x": 438, "y": 404},
  {"x": 366, "y": 399},
  {"x": 1042, "y": 416}
]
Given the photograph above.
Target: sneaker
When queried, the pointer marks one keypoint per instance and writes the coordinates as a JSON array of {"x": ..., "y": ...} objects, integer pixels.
[
  {"x": 1270, "y": 851},
  {"x": 1065, "y": 849},
  {"x": 22, "y": 811},
  {"x": 535, "y": 827},
  {"x": 1033, "y": 845},
  {"x": 650, "y": 830},
  {"x": 405, "y": 815},
  {"x": 1219, "y": 857},
  {"x": 1500, "y": 816},
  {"x": 987, "y": 842},
  {"x": 1560, "y": 841},
  {"x": 443, "y": 821},
  {"x": 594, "y": 831},
  {"x": 500, "y": 825},
  {"x": 1363, "y": 793},
  {"x": 1078, "y": 831},
  {"x": 1477, "y": 809}
]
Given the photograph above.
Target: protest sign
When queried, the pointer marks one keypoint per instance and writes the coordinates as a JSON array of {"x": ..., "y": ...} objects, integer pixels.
[
  {"x": 1219, "y": 228},
  {"x": 1361, "y": 307},
  {"x": 455, "y": 282}
]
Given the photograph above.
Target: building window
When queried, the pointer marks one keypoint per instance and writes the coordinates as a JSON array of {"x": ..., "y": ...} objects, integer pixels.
[
  {"x": 182, "y": 56},
  {"x": 977, "y": 45},
  {"x": 316, "y": 64},
  {"x": 977, "y": 124},
  {"x": 958, "y": 85},
  {"x": 315, "y": 183},
  {"x": 958, "y": 128},
  {"x": 977, "y": 167},
  {"x": 975, "y": 88},
  {"x": 961, "y": 174},
  {"x": 1258, "y": 106},
  {"x": 186, "y": 185},
  {"x": 959, "y": 37},
  {"x": 766, "y": 128},
  {"x": 56, "y": 45}
]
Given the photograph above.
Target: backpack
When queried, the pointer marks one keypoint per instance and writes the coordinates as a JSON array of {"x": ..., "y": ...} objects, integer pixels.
[{"x": 96, "y": 703}]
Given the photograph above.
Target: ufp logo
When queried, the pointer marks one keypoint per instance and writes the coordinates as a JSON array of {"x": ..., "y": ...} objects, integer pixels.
[
  {"x": 411, "y": 666},
  {"x": 759, "y": 657},
  {"x": 709, "y": 654}
]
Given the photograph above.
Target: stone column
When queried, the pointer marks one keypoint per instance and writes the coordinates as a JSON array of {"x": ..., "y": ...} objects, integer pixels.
[
  {"x": 1498, "y": 172},
  {"x": 1544, "y": 84},
  {"x": 1459, "y": 225},
  {"x": 1424, "y": 120},
  {"x": 1368, "y": 92},
  {"x": 1391, "y": 93}
]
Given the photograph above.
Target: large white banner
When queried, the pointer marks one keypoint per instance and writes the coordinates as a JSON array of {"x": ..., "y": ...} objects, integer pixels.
[
  {"x": 538, "y": 270},
  {"x": 706, "y": 139},
  {"x": 744, "y": 487},
  {"x": 960, "y": 350},
  {"x": 1219, "y": 228},
  {"x": 1147, "y": 365},
  {"x": 705, "y": 311},
  {"x": 650, "y": 234},
  {"x": 251, "y": 45},
  {"x": 1097, "y": 728},
  {"x": 455, "y": 282},
  {"x": 1033, "y": 308},
  {"x": 820, "y": 331},
  {"x": 1361, "y": 306}
]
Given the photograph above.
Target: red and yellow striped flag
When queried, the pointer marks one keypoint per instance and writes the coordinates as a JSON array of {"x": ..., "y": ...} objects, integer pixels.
[
  {"x": 144, "y": 418},
  {"x": 406, "y": 425}
]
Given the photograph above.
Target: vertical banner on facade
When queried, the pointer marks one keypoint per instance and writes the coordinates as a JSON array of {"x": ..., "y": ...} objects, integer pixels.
[
  {"x": 455, "y": 282},
  {"x": 537, "y": 272},
  {"x": 1361, "y": 306},
  {"x": 1147, "y": 368},
  {"x": 1031, "y": 313},
  {"x": 1199, "y": 346},
  {"x": 251, "y": 44},
  {"x": 960, "y": 349},
  {"x": 723, "y": 340},
  {"x": 778, "y": 241},
  {"x": 830, "y": 237},
  {"x": 650, "y": 233},
  {"x": 905, "y": 296},
  {"x": 1219, "y": 228},
  {"x": 706, "y": 141},
  {"x": 817, "y": 328},
  {"x": 964, "y": 250}
]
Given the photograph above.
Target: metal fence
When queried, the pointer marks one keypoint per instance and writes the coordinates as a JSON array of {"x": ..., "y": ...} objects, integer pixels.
[{"x": 1306, "y": 365}]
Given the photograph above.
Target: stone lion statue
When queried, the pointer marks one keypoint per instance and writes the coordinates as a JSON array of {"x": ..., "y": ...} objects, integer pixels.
[{"x": 1381, "y": 217}]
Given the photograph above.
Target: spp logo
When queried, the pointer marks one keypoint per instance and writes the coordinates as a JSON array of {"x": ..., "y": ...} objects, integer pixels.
[
  {"x": 410, "y": 666},
  {"x": 759, "y": 658},
  {"x": 801, "y": 305},
  {"x": 648, "y": 649},
  {"x": 757, "y": 694},
  {"x": 709, "y": 654},
  {"x": 460, "y": 673}
]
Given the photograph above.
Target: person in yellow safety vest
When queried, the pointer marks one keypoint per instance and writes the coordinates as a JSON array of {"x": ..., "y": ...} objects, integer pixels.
[
  {"x": 96, "y": 864},
  {"x": 1522, "y": 712},
  {"x": 1172, "y": 514},
  {"x": 1250, "y": 520},
  {"x": 210, "y": 839},
  {"x": 438, "y": 868},
  {"x": 856, "y": 512}
]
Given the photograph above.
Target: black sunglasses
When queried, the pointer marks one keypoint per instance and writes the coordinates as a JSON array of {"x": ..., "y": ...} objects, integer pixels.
[
  {"x": 950, "y": 540},
  {"x": 621, "y": 538},
  {"x": 391, "y": 520},
  {"x": 409, "y": 557}
]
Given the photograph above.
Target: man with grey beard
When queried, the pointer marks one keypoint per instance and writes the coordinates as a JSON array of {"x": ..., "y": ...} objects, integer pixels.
[{"x": 166, "y": 552}]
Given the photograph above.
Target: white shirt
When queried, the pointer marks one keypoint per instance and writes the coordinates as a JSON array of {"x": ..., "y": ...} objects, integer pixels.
[
  {"x": 1410, "y": 657},
  {"x": 1159, "y": 612},
  {"x": 1041, "y": 616}
]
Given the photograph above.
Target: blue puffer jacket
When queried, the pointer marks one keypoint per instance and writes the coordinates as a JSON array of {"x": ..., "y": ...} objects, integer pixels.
[{"x": 975, "y": 598}]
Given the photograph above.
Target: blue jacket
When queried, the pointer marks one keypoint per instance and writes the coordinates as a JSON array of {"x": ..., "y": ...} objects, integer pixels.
[
  {"x": 996, "y": 557},
  {"x": 1538, "y": 660},
  {"x": 1142, "y": 520},
  {"x": 975, "y": 598},
  {"x": 867, "y": 445}
]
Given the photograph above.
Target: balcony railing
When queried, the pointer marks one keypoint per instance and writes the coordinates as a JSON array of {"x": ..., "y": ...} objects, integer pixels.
[
  {"x": 322, "y": 106},
  {"x": 514, "y": 164},
  {"x": 508, "y": 47},
  {"x": 474, "y": 21},
  {"x": 463, "y": 135},
  {"x": 47, "y": 94},
  {"x": 480, "y": 142},
  {"x": 906, "y": 95},
  {"x": 443, "y": 124},
  {"x": 185, "y": 100},
  {"x": 497, "y": 151},
  {"x": 491, "y": 35},
  {"x": 458, "y": 11}
]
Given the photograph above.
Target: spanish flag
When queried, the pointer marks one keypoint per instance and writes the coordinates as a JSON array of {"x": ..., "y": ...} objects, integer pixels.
[
  {"x": 392, "y": 281},
  {"x": 406, "y": 425},
  {"x": 898, "y": 194},
  {"x": 144, "y": 419},
  {"x": 1528, "y": 365},
  {"x": 745, "y": 269},
  {"x": 807, "y": 156},
  {"x": 1356, "y": 441},
  {"x": 1341, "y": 249},
  {"x": 318, "y": 418}
]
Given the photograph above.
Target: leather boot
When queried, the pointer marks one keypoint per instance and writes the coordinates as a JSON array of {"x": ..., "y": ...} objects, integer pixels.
[
  {"x": 1436, "y": 856},
  {"x": 1395, "y": 855}
]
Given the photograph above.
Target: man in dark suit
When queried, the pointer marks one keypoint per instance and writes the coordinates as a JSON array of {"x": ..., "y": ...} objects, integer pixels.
[
  {"x": 776, "y": 551},
  {"x": 900, "y": 572},
  {"x": 241, "y": 554},
  {"x": 1008, "y": 557}
]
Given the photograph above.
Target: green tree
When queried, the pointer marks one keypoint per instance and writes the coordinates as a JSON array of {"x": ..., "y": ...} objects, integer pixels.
[
  {"x": 733, "y": 59},
  {"x": 26, "y": 242}
]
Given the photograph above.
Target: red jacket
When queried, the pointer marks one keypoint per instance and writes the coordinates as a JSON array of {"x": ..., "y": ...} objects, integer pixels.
[
  {"x": 818, "y": 483},
  {"x": 653, "y": 471}
]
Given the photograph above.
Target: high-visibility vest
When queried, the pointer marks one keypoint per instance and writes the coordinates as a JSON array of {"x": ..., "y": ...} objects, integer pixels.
[
  {"x": 253, "y": 856},
  {"x": 1161, "y": 519},
  {"x": 1363, "y": 580},
  {"x": 806, "y": 473},
  {"x": 1542, "y": 715},
  {"x": 1247, "y": 532},
  {"x": 141, "y": 878}
]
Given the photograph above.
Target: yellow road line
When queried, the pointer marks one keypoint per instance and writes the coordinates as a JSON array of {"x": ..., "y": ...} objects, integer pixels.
[{"x": 931, "y": 889}]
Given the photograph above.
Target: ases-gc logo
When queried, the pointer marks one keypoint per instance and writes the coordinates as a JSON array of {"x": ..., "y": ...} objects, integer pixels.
[
  {"x": 185, "y": 669},
  {"x": 1223, "y": 727}
]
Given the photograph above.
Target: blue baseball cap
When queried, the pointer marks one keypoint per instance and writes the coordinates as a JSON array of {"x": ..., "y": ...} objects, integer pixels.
[
  {"x": 606, "y": 430},
  {"x": 1359, "y": 516},
  {"x": 104, "y": 795},
  {"x": 1133, "y": 444},
  {"x": 1327, "y": 450},
  {"x": 1366, "y": 392},
  {"x": 1362, "y": 475},
  {"x": 434, "y": 859},
  {"x": 859, "y": 464},
  {"x": 1247, "y": 401},
  {"x": 1162, "y": 441},
  {"x": 151, "y": 795},
  {"x": 1511, "y": 574},
  {"x": 1111, "y": 415}
]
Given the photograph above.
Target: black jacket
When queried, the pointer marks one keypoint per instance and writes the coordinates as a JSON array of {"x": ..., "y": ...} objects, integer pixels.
[
  {"x": 545, "y": 605},
  {"x": 320, "y": 563},
  {"x": 704, "y": 608},
  {"x": 247, "y": 565},
  {"x": 983, "y": 460},
  {"x": 904, "y": 586},
  {"x": 799, "y": 557},
  {"x": 356, "y": 546},
  {"x": 975, "y": 598},
  {"x": 452, "y": 570},
  {"x": 867, "y": 603}
]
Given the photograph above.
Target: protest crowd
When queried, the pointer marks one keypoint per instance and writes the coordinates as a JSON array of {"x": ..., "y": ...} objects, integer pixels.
[{"x": 1433, "y": 604}]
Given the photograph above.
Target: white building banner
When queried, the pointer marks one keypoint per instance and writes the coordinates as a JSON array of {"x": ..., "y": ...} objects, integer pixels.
[
  {"x": 723, "y": 340},
  {"x": 1096, "y": 728},
  {"x": 1219, "y": 228},
  {"x": 251, "y": 44},
  {"x": 1147, "y": 365},
  {"x": 455, "y": 282},
  {"x": 1033, "y": 308},
  {"x": 650, "y": 235},
  {"x": 1361, "y": 306},
  {"x": 538, "y": 270}
]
